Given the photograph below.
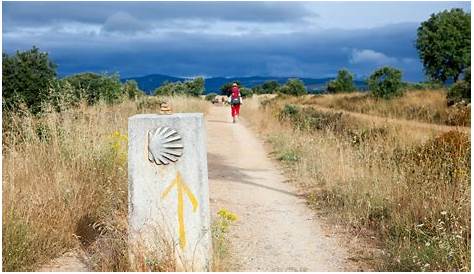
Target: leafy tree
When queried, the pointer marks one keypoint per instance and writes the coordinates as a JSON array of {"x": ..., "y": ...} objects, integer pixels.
[
  {"x": 246, "y": 92},
  {"x": 130, "y": 88},
  {"x": 386, "y": 83},
  {"x": 270, "y": 86},
  {"x": 194, "y": 87},
  {"x": 26, "y": 78},
  {"x": 342, "y": 83},
  {"x": 293, "y": 87},
  {"x": 444, "y": 44},
  {"x": 95, "y": 87}
]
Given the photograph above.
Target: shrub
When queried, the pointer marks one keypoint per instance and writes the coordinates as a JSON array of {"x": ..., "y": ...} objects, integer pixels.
[
  {"x": 210, "y": 96},
  {"x": 246, "y": 92},
  {"x": 461, "y": 90},
  {"x": 26, "y": 78},
  {"x": 343, "y": 82},
  {"x": 193, "y": 87},
  {"x": 95, "y": 87},
  {"x": 293, "y": 87},
  {"x": 386, "y": 83},
  {"x": 130, "y": 88}
]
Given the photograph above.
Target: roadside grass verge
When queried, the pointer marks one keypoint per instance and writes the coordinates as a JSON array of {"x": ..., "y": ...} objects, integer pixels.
[
  {"x": 65, "y": 182},
  {"x": 410, "y": 188}
]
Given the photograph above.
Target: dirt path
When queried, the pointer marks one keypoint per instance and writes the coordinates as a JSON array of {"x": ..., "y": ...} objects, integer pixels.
[
  {"x": 396, "y": 121},
  {"x": 275, "y": 231},
  {"x": 73, "y": 261}
]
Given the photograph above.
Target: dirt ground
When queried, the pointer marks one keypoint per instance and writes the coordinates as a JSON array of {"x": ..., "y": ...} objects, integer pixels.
[{"x": 276, "y": 231}]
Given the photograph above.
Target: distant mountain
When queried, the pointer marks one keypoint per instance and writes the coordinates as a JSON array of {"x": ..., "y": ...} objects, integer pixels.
[{"x": 150, "y": 82}]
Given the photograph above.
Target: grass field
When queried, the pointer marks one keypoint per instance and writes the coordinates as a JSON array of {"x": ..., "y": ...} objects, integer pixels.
[
  {"x": 408, "y": 186},
  {"x": 65, "y": 183},
  {"x": 427, "y": 106}
]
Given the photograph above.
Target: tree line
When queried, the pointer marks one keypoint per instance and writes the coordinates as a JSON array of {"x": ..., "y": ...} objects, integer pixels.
[{"x": 30, "y": 81}]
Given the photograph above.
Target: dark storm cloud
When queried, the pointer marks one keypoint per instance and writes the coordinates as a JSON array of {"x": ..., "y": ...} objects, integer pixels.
[
  {"x": 299, "y": 54},
  {"x": 211, "y": 39},
  {"x": 46, "y": 13}
]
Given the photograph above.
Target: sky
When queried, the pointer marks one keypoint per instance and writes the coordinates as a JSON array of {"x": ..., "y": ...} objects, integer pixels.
[{"x": 188, "y": 39}]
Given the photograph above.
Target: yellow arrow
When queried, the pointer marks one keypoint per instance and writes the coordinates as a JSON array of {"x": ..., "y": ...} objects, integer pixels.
[{"x": 181, "y": 187}]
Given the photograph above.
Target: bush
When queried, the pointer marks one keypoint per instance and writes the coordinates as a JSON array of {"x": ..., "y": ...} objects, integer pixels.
[
  {"x": 94, "y": 87},
  {"x": 193, "y": 87},
  {"x": 26, "y": 78},
  {"x": 342, "y": 83},
  {"x": 461, "y": 90},
  {"x": 246, "y": 92},
  {"x": 293, "y": 87},
  {"x": 130, "y": 88},
  {"x": 269, "y": 87},
  {"x": 386, "y": 83},
  {"x": 210, "y": 96}
]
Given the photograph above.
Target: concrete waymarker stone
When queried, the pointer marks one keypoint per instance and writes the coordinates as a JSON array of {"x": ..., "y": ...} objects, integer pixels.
[{"x": 168, "y": 191}]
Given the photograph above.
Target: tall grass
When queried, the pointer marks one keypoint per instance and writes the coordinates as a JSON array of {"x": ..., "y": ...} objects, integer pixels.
[
  {"x": 408, "y": 186},
  {"x": 428, "y": 106},
  {"x": 65, "y": 183}
]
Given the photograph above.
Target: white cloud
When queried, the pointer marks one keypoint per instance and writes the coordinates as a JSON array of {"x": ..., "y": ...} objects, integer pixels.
[{"x": 370, "y": 57}]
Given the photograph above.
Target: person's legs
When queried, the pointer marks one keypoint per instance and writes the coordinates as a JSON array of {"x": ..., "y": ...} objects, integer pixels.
[
  {"x": 237, "y": 111},
  {"x": 233, "y": 112}
]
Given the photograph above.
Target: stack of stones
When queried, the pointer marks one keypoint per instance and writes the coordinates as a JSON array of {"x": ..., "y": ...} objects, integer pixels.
[{"x": 165, "y": 108}]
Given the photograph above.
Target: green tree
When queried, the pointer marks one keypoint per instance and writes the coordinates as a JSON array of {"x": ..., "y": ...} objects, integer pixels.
[
  {"x": 95, "y": 87},
  {"x": 293, "y": 87},
  {"x": 342, "y": 83},
  {"x": 270, "y": 87},
  {"x": 195, "y": 87},
  {"x": 444, "y": 44},
  {"x": 26, "y": 78},
  {"x": 246, "y": 92},
  {"x": 386, "y": 83},
  {"x": 131, "y": 89}
]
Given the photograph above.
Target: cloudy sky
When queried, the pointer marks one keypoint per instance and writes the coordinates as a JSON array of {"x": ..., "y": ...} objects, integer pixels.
[{"x": 305, "y": 39}]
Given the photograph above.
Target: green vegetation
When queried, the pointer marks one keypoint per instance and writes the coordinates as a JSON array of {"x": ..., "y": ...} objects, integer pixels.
[
  {"x": 93, "y": 87},
  {"x": 293, "y": 87},
  {"x": 130, "y": 88},
  {"x": 461, "y": 90},
  {"x": 29, "y": 81},
  {"x": 386, "y": 83},
  {"x": 193, "y": 87},
  {"x": 444, "y": 44},
  {"x": 27, "y": 78},
  {"x": 342, "y": 83},
  {"x": 268, "y": 87},
  {"x": 210, "y": 96}
]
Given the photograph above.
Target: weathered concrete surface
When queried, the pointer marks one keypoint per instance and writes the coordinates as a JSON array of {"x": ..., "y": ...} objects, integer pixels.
[{"x": 169, "y": 204}]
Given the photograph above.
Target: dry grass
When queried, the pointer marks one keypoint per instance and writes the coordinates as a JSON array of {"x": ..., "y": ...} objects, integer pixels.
[
  {"x": 425, "y": 106},
  {"x": 65, "y": 183},
  {"x": 408, "y": 187}
]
